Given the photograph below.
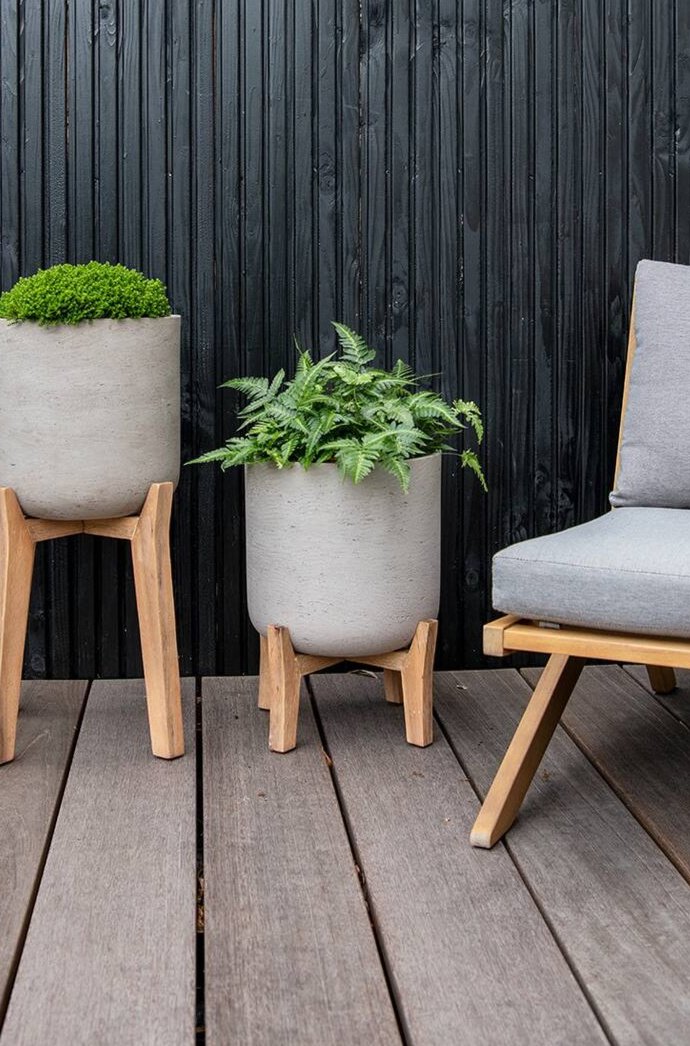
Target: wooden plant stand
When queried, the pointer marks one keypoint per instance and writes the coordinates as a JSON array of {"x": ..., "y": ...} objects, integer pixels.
[
  {"x": 149, "y": 535},
  {"x": 407, "y": 680}
]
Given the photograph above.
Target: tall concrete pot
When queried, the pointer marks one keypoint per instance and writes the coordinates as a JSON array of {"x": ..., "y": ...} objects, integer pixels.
[
  {"x": 89, "y": 414},
  {"x": 349, "y": 569}
]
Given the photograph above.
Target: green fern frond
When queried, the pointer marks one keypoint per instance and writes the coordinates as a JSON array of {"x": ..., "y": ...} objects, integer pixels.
[
  {"x": 355, "y": 460},
  {"x": 399, "y": 468},
  {"x": 469, "y": 410},
  {"x": 252, "y": 387},
  {"x": 470, "y": 460},
  {"x": 355, "y": 348},
  {"x": 212, "y": 455},
  {"x": 351, "y": 376},
  {"x": 276, "y": 383},
  {"x": 429, "y": 405}
]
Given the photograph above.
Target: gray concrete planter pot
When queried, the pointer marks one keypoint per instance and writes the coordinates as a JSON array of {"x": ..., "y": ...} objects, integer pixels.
[
  {"x": 350, "y": 570},
  {"x": 89, "y": 414}
]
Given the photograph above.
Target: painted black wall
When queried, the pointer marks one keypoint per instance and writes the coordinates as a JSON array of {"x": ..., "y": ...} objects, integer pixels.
[{"x": 469, "y": 182}]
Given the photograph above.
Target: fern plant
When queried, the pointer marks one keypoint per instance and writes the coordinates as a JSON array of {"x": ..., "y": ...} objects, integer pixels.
[{"x": 341, "y": 409}]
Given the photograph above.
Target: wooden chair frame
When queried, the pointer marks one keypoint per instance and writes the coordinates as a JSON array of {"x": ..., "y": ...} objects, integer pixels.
[
  {"x": 407, "y": 681},
  {"x": 569, "y": 649},
  {"x": 149, "y": 536}
]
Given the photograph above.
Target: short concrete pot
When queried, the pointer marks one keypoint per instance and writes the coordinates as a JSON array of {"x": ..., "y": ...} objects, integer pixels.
[
  {"x": 349, "y": 569},
  {"x": 89, "y": 414}
]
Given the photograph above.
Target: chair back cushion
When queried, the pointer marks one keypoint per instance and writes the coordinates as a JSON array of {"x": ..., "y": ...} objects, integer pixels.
[{"x": 654, "y": 457}]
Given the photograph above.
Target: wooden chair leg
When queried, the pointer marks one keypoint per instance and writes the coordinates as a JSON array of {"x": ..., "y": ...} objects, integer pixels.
[
  {"x": 661, "y": 679},
  {"x": 264, "y": 675},
  {"x": 525, "y": 752},
  {"x": 155, "y": 604},
  {"x": 285, "y": 678},
  {"x": 392, "y": 686},
  {"x": 16, "y": 567},
  {"x": 417, "y": 685}
]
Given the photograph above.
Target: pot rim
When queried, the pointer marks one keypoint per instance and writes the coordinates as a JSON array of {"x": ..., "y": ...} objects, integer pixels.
[
  {"x": 83, "y": 323},
  {"x": 329, "y": 464}
]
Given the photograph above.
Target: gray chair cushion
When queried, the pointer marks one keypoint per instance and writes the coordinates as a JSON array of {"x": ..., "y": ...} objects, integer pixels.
[
  {"x": 628, "y": 571},
  {"x": 654, "y": 468}
]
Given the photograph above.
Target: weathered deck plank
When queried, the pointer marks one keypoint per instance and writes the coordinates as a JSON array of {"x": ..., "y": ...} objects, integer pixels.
[
  {"x": 110, "y": 952},
  {"x": 678, "y": 701},
  {"x": 619, "y": 908},
  {"x": 641, "y": 749},
  {"x": 29, "y": 792},
  {"x": 470, "y": 958},
  {"x": 290, "y": 955}
]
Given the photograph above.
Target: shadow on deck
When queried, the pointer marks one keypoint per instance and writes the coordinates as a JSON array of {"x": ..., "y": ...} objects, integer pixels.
[{"x": 330, "y": 896}]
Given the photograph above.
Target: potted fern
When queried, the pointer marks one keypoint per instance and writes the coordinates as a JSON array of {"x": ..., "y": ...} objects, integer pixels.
[
  {"x": 343, "y": 498},
  {"x": 89, "y": 391}
]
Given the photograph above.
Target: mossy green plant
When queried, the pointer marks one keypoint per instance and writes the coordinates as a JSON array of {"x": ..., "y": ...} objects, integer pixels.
[{"x": 71, "y": 294}]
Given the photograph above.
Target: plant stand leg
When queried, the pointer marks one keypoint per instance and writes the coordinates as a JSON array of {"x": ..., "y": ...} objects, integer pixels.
[
  {"x": 662, "y": 680},
  {"x": 153, "y": 583},
  {"x": 264, "y": 675},
  {"x": 16, "y": 568},
  {"x": 526, "y": 750},
  {"x": 285, "y": 678},
  {"x": 392, "y": 686},
  {"x": 417, "y": 685}
]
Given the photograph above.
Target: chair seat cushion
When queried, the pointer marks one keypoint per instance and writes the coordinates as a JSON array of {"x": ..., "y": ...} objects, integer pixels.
[{"x": 628, "y": 571}]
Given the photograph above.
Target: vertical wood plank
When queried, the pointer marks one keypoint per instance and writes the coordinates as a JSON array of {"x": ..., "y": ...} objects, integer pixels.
[
  {"x": 30, "y": 790},
  {"x": 290, "y": 956},
  {"x": 119, "y": 880}
]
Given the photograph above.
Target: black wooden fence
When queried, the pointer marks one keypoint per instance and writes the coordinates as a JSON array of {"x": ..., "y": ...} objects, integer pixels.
[{"x": 469, "y": 182}]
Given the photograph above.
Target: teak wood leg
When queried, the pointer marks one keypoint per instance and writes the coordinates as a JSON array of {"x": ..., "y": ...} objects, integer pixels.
[
  {"x": 662, "y": 680},
  {"x": 417, "y": 685},
  {"x": 525, "y": 752},
  {"x": 16, "y": 567},
  {"x": 149, "y": 534},
  {"x": 407, "y": 680},
  {"x": 153, "y": 583},
  {"x": 283, "y": 686},
  {"x": 392, "y": 686},
  {"x": 264, "y": 675}
]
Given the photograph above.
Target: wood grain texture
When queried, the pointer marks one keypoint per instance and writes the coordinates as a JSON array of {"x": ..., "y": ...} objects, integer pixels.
[
  {"x": 471, "y": 184},
  {"x": 16, "y": 569},
  {"x": 290, "y": 956},
  {"x": 417, "y": 685},
  {"x": 662, "y": 680},
  {"x": 526, "y": 749},
  {"x": 619, "y": 908},
  {"x": 392, "y": 686},
  {"x": 640, "y": 748},
  {"x": 284, "y": 681},
  {"x": 458, "y": 929},
  {"x": 110, "y": 951},
  {"x": 587, "y": 643},
  {"x": 29, "y": 793},
  {"x": 150, "y": 544}
]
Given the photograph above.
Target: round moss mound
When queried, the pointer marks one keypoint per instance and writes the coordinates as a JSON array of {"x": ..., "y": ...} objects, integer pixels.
[{"x": 74, "y": 293}]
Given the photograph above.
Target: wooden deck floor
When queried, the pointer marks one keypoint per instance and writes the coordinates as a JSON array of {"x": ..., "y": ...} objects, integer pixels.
[{"x": 330, "y": 896}]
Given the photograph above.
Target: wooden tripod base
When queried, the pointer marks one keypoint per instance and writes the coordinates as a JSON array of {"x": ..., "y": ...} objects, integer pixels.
[
  {"x": 149, "y": 535},
  {"x": 407, "y": 680}
]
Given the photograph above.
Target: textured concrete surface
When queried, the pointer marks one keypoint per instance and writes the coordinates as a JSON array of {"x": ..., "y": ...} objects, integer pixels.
[
  {"x": 89, "y": 415},
  {"x": 350, "y": 570}
]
